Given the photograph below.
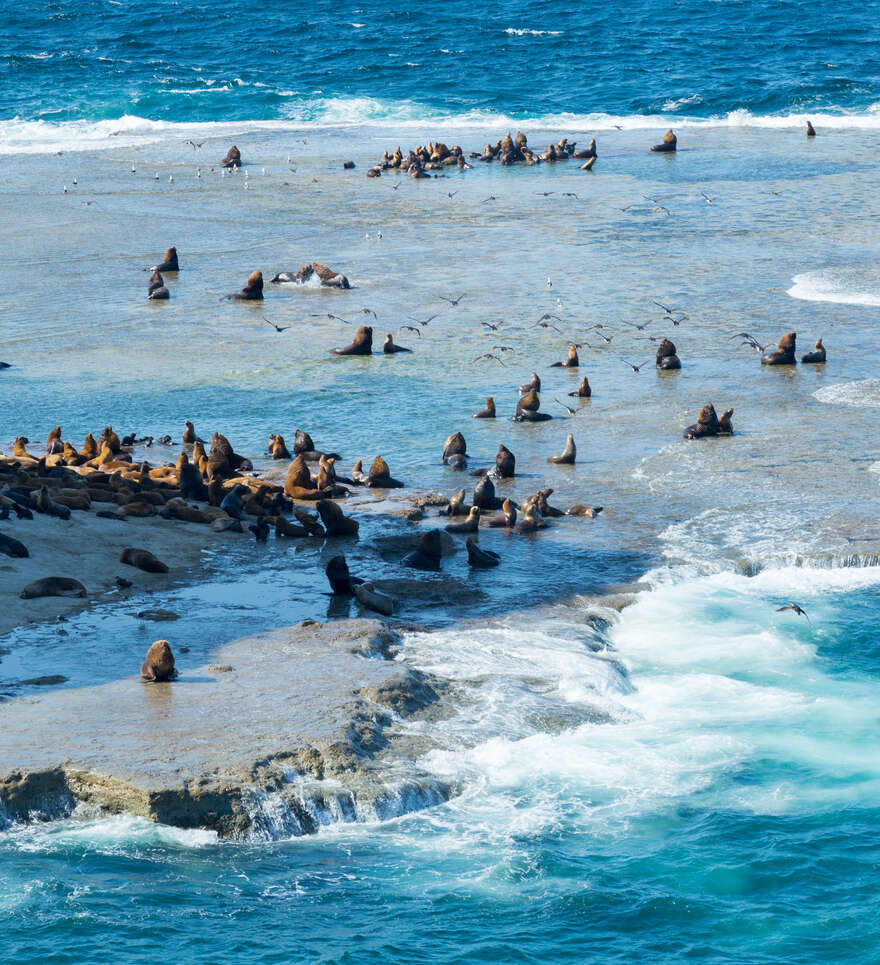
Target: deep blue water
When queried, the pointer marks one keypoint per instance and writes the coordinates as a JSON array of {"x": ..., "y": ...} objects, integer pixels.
[{"x": 203, "y": 61}]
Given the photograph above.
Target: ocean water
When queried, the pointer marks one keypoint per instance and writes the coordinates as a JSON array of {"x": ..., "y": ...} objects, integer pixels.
[{"x": 691, "y": 778}]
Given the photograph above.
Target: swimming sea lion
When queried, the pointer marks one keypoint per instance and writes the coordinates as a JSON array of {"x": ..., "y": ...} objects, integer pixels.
[
  {"x": 507, "y": 518},
  {"x": 706, "y": 424},
  {"x": 470, "y": 525},
  {"x": 158, "y": 665},
  {"x": 334, "y": 520},
  {"x": 479, "y": 558},
  {"x": 428, "y": 552},
  {"x": 253, "y": 289},
  {"x": 666, "y": 357},
  {"x": 361, "y": 344},
  {"x": 533, "y": 385},
  {"x": 389, "y": 348},
  {"x": 670, "y": 143},
  {"x": 579, "y": 510},
  {"x": 277, "y": 447},
  {"x": 232, "y": 159},
  {"x": 588, "y": 165},
  {"x": 53, "y": 586},
  {"x": 567, "y": 456},
  {"x": 488, "y": 412},
  {"x": 817, "y": 355},
  {"x": 341, "y": 581},
  {"x": 505, "y": 463},
  {"x": 368, "y": 596},
  {"x": 156, "y": 290},
  {"x": 169, "y": 261},
  {"x": 327, "y": 277},
  {"x": 811, "y": 132},
  {"x": 142, "y": 559},
  {"x": 571, "y": 362},
  {"x": 784, "y": 354}
]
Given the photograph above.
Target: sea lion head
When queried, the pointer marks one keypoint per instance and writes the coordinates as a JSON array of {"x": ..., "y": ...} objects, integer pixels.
[
  {"x": 665, "y": 349},
  {"x": 379, "y": 469},
  {"x": 159, "y": 662},
  {"x": 707, "y": 416},
  {"x": 254, "y": 282},
  {"x": 787, "y": 342},
  {"x": 454, "y": 445}
]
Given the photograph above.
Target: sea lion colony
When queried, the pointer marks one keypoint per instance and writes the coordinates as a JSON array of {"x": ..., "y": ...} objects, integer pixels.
[{"x": 217, "y": 487}]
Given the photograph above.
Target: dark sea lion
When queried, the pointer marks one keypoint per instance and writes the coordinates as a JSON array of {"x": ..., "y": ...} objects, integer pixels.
[
  {"x": 5, "y": 365},
  {"x": 283, "y": 527},
  {"x": 336, "y": 523},
  {"x": 811, "y": 132},
  {"x": 368, "y": 596},
  {"x": 361, "y": 344},
  {"x": 227, "y": 525},
  {"x": 169, "y": 261},
  {"x": 379, "y": 476},
  {"x": 302, "y": 443},
  {"x": 470, "y": 525},
  {"x": 670, "y": 143},
  {"x": 706, "y": 424},
  {"x": 10, "y": 546},
  {"x": 232, "y": 502},
  {"x": 583, "y": 391},
  {"x": 277, "y": 447},
  {"x": 533, "y": 385},
  {"x": 488, "y": 412},
  {"x": 158, "y": 665},
  {"x": 527, "y": 408},
  {"x": 53, "y": 586},
  {"x": 232, "y": 159},
  {"x": 44, "y": 503},
  {"x": 309, "y": 522},
  {"x": 260, "y": 529},
  {"x": 484, "y": 495},
  {"x": 571, "y": 362},
  {"x": 479, "y": 558},
  {"x": 53, "y": 442},
  {"x": 142, "y": 559},
  {"x": 253, "y": 289},
  {"x": 784, "y": 354},
  {"x": 579, "y": 510},
  {"x": 507, "y": 519},
  {"x": 428, "y": 552},
  {"x": 544, "y": 508},
  {"x": 156, "y": 290},
  {"x": 347, "y": 165},
  {"x": 340, "y": 579},
  {"x": 817, "y": 356},
  {"x": 191, "y": 483},
  {"x": 667, "y": 359},
  {"x": 725, "y": 425},
  {"x": 389, "y": 348},
  {"x": 505, "y": 463},
  {"x": 455, "y": 450},
  {"x": 567, "y": 456}
]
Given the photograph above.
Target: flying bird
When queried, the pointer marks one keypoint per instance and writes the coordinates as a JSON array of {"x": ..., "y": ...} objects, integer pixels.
[
  {"x": 419, "y": 320},
  {"x": 568, "y": 408},
  {"x": 635, "y": 368},
  {"x": 410, "y": 328},
  {"x": 489, "y": 355},
  {"x": 278, "y": 328},
  {"x": 453, "y": 301},
  {"x": 796, "y": 609}
]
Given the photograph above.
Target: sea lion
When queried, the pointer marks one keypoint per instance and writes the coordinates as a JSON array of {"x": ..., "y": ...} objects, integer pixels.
[
  {"x": 327, "y": 276},
  {"x": 358, "y": 475},
  {"x": 784, "y": 354},
  {"x": 44, "y": 503},
  {"x": 252, "y": 291},
  {"x": 335, "y": 522},
  {"x": 379, "y": 476},
  {"x": 200, "y": 457},
  {"x": 725, "y": 425},
  {"x": 169, "y": 261},
  {"x": 505, "y": 463},
  {"x": 341, "y": 581},
  {"x": 361, "y": 344},
  {"x": 479, "y": 558},
  {"x": 53, "y": 586},
  {"x": 10, "y": 546},
  {"x": 579, "y": 510},
  {"x": 277, "y": 447},
  {"x": 706, "y": 424},
  {"x": 484, "y": 494},
  {"x": 470, "y": 525},
  {"x": 571, "y": 362},
  {"x": 232, "y": 504},
  {"x": 109, "y": 438},
  {"x": 299, "y": 483},
  {"x": 527, "y": 408},
  {"x": 544, "y": 508},
  {"x": 142, "y": 559},
  {"x": 368, "y": 596},
  {"x": 530, "y": 521},
  {"x": 283, "y": 527},
  {"x": 232, "y": 159},
  {"x": 455, "y": 451},
  {"x": 53, "y": 442},
  {"x": 811, "y": 131},
  {"x": 156, "y": 290},
  {"x": 670, "y": 143},
  {"x": 90, "y": 447},
  {"x": 227, "y": 525},
  {"x": 456, "y": 505},
  {"x": 310, "y": 523},
  {"x": 428, "y": 552},
  {"x": 567, "y": 456},
  {"x": 189, "y": 433},
  {"x": 158, "y": 665},
  {"x": 667, "y": 360},
  {"x": 260, "y": 529},
  {"x": 817, "y": 356},
  {"x": 19, "y": 450},
  {"x": 507, "y": 519},
  {"x": 191, "y": 484},
  {"x": 488, "y": 412},
  {"x": 389, "y": 348},
  {"x": 533, "y": 385},
  {"x": 588, "y": 165},
  {"x": 583, "y": 391}
]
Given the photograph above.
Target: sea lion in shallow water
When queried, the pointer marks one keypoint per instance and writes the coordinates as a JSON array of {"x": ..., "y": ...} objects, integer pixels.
[
  {"x": 667, "y": 360},
  {"x": 341, "y": 581},
  {"x": 456, "y": 505},
  {"x": 156, "y": 290},
  {"x": 507, "y": 519},
  {"x": 579, "y": 510},
  {"x": 706, "y": 424},
  {"x": 336, "y": 523},
  {"x": 488, "y": 412},
  {"x": 379, "y": 476},
  {"x": 479, "y": 558},
  {"x": 533, "y": 385},
  {"x": 428, "y": 552},
  {"x": 528, "y": 406},
  {"x": 505, "y": 463},
  {"x": 583, "y": 391},
  {"x": 784, "y": 353},
  {"x": 158, "y": 664},
  {"x": 725, "y": 425},
  {"x": 277, "y": 447},
  {"x": 484, "y": 494},
  {"x": 455, "y": 450},
  {"x": 470, "y": 525},
  {"x": 567, "y": 456},
  {"x": 168, "y": 262},
  {"x": 53, "y": 586},
  {"x": 571, "y": 362},
  {"x": 253, "y": 289},
  {"x": 232, "y": 159},
  {"x": 361, "y": 344},
  {"x": 389, "y": 348},
  {"x": 670, "y": 143},
  {"x": 817, "y": 356},
  {"x": 811, "y": 131}
]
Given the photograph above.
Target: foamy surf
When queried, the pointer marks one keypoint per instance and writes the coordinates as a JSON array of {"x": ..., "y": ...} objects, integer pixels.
[{"x": 859, "y": 285}]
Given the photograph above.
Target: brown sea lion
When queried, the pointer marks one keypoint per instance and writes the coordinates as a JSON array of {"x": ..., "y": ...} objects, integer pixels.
[
  {"x": 488, "y": 412},
  {"x": 470, "y": 525},
  {"x": 368, "y": 596},
  {"x": 455, "y": 450},
  {"x": 253, "y": 289},
  {"x": 725, "y": 426},
  {"x": 527, "y": 408},
  {"x": 379, "y": 476},
  {"x": 53, "y": 442},
  {"x": 169, "y": 261},
  {"x": 200, "y": 457},
  {"x": 667, "y": 359},
  {"x": 817, "y": 356},
  {"x": 90, "y": 447},
  {"x": 484, "y": 494},
  {"x": 530, "y": 520},
  {"x": 544, "y": 508},
  {"x": 283, "y": 527},
  {"x": 299, "y": 484},
  {"x": 811, "y": 131},
  {"x": 189, "y": 432},
  {"x": 583, "y": 391},
  {"x": 19, "y": 450},
  {"x": 505, "y": 463},
  {"x": 111, "y": 440},
  {"x": 232, "y": 159},
  {"x": 389, "y": 348},
  {"x": 277, "y": 447},
  {"x": 428, "y": 552},
  {"x": 361, "y": 344},
  {"x": 588, "y": 165},
  {"x": 456, "y": 505},
  {"x": 784, "y": 354},
  {"x": 706, "y": 424},
  {"x": 579, "y": 510},
  {"x": 142, "y": 559},
  {"x": 53, "y": 586},
  {"x": 670, "y": 143},
  {"x": 327, "y": 276},
  {"x": 44, "y": 503},
  {"x": 479, "y": 558},
  {"x": 571, "y": 362},
  {"x": 158, "y": 665},
  {"x": 507, "y": 519},
  {"x": 335, "y": 522},
  {"x": 533, "y": 385},
  {"x": 156, "y": 290},
  {"x": 567, "y": 456}
]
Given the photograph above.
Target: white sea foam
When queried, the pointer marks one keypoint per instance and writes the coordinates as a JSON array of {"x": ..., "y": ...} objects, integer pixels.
[
  {"x": 522, "y": 32},
  {"x": 858, "y": 393},
  {"x": 858, "y": 285}
]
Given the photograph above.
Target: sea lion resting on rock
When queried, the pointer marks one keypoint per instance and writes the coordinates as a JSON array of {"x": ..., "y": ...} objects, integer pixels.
[
  {"x": 361, "y": 344},
  {"x": 488, "y": 412},
  {"x": 456, "y": 505},
  {"x": 666, "y": 357},
  {"x": 817, "y": 355},
  {"x": 670, "y": 143},
  {"x": 784, "y": 354},
  {"x": 169, "y": 261},
  {"x": 53, "y": 586},
  {"x": 470, "y": 525},
  {"x": 252, "y": 291},
  {"x": 379, "y": 476},
  {"x": 156, "y": 290},
  {"x": 567, "y": 456},
  {"x": 327, "y": 277},
  {"x": 142, "y": 559},
  {"x": 571, "y": 362},
  {"x": 158, "y": 665}
]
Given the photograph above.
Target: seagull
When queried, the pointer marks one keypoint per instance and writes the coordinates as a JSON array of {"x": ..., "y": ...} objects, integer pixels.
[
  {"x": 751, "y": 341},
  {"x": 707, "y": 198},
  {"x": 75, "y": 182},
  {"x": 669, "y": 311},
  {"x": 394, "y": 187},
  {"x": 133, "y": 169},
  {"x": 504, "y": 348},
  {"x": 796, "y": 609},
  {"x": 570, "y": 194},
  {"x": 641, "y": 327},
  {"x": 157, "y": 176},
  {"x": 198, "y": 172},
  {"x": 420, "y": 321},
  {"x": 568, "y": 408},
  {"x": 490, "y": 198},
  {"x": 368, "y": 311},
  {"x": 171, "y": 179},
  {"x": 278, "y": 328},
  {"x": 64, "y": 190},
  {"x": 493, "y": 326},
  {"x": 549, "y": 282},
  {"x": 546, "y": 194},
  {"x": 339, "y": 318},
  {"x": 489, "y": 355},
  {"x": 453, "y": 301},
  {"x": 195, "y": 144},
  {"x": 635, "y": 368},
  {"x": 410, "y": 328},
  {"x": 449, "y": 194}
]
